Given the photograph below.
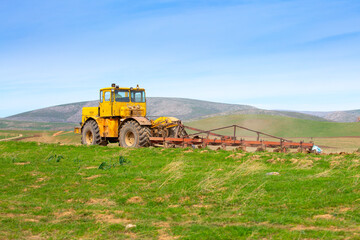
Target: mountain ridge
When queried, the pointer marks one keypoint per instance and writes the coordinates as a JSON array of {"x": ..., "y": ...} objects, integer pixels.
[
  {"x": 182, "y": 108},
  {"x": 337, "y": 116}
]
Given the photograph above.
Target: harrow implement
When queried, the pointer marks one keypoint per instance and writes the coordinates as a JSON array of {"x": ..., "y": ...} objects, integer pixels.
[{"x": 204, "y": 138}]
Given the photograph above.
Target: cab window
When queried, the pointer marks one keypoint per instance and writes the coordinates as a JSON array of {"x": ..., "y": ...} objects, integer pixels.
[
  {"x": 138, "y": 96},
  {"x": 107, "y": 96},
  {"x": 122, "y": 96}
]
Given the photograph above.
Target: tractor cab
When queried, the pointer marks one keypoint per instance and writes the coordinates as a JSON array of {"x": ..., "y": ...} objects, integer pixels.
[{"x": 122, "y": 102}]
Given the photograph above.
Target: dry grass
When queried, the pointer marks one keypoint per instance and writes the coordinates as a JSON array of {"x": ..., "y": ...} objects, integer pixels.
[
  {"x": 213, "y": 181},
  {"x": 174, "y": 171}
]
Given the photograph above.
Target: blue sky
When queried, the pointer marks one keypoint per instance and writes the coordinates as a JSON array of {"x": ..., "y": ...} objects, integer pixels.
[{"x": 276, "y": 54}]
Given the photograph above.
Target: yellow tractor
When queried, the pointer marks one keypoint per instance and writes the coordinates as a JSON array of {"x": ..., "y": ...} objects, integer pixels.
[{"x": 121, "y": 117}]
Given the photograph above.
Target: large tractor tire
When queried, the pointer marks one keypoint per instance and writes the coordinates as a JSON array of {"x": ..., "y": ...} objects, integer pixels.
[
  {"x": 131, "y": 134},
  {"x": 90, "y": 134}
]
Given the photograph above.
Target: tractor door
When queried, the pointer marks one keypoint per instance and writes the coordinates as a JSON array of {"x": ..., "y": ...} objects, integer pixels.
[{"x": 105, "y": 103}]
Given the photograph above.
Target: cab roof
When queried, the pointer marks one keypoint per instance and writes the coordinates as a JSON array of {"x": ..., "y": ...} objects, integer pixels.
[{"x": 117, "y": 88}]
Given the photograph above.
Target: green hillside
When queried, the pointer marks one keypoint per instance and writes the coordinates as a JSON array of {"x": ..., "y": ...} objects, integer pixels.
[
  {"x": 279, "y": 126},
  {"x": 275, "y": 125},
  {"x": 27, "y": 125}
]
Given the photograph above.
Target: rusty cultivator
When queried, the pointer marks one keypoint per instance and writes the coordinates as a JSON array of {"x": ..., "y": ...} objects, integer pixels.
[{"x": 204, "y": 138}]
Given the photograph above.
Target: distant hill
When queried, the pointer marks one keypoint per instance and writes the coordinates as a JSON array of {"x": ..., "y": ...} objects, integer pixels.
[
  {"x": 182, "y": 108},
  {"x": 61, "y": 113},
  {"x": 337, "y": 116}
]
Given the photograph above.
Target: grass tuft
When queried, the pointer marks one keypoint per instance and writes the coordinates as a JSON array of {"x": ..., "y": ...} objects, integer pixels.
[
  {"x": 55, "y": 157},
  {"x": 107, "y": 165}
]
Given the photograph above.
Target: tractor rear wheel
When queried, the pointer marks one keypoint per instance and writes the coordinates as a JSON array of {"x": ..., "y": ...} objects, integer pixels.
[
  {"x": 131, "y": 134},
  {"x": 90, "y": 134}
]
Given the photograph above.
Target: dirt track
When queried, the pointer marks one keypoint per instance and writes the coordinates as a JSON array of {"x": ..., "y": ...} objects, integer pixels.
[
  {"x": 46, "y": 137},
  {"x": 12, "y": 138}
]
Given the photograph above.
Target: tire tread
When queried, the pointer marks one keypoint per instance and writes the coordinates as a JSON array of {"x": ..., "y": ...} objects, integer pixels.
[{"x": 143, "y": 132}]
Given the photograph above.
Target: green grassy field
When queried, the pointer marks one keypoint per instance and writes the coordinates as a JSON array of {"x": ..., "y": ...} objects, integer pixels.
[
  {"x": 280, "y": 126},
  {"x": 59, "y": 192}
]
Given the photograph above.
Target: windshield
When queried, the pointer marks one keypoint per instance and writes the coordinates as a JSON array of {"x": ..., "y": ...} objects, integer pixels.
[
  {"x": 121, "y": 96},
  {"x": 138, "y": 96}
]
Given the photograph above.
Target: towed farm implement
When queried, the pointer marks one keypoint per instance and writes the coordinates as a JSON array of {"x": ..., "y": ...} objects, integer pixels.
[
  {"x": 204, "y": 138},
  {"x": 121, "y": 118}
]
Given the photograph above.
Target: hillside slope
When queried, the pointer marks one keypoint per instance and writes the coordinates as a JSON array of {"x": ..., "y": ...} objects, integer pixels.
[
  {"x": 279, "y": 126},
  {"x": 182, "y": 108}
]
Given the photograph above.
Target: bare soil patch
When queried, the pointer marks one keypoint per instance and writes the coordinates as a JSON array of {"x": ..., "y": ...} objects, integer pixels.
[
  {"x": 135, "y": 199},
  {"x": 344, "y": 209},
  {"x": 139, "y": 179},
  {"x": 41, "y": 179},
  {"x": 184, "y": 199},
  {"x": 159, "y": 199},
  {"x": 201, "y": 205},
  {"x": 92, "y": 177},
  {"x": 22, "y": 163},
  {"x": 330, "y": 228},
  {"x": 57, "y": 133},
  {"x": 66, "y": 213},
  {"x": 91, "y": 167},
  {"x": 35, "y": 237},
  {"x": 101, "y": 201},
  {"x": 164, "y": 228},
  {"x": 110, "y": 218},
  {"x": 11, "y": 138},
  {"x": 174, "y": 206},
  {"x": 235, "y": 156},
  {"x": 324, "y": 216},
  {"x": 23, "y": 217},
  {"x": 302, "y": 163}
]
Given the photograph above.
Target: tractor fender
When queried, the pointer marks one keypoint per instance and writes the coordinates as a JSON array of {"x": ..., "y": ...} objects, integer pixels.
[
  {"x": 88, "y": 119},
  {"x": 143, "y": 121}
]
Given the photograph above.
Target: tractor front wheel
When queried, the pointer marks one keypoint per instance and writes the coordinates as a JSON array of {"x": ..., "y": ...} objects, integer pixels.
[
  {"x": 131, "y": 134},
  {"x": 90, "y": 134}
]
